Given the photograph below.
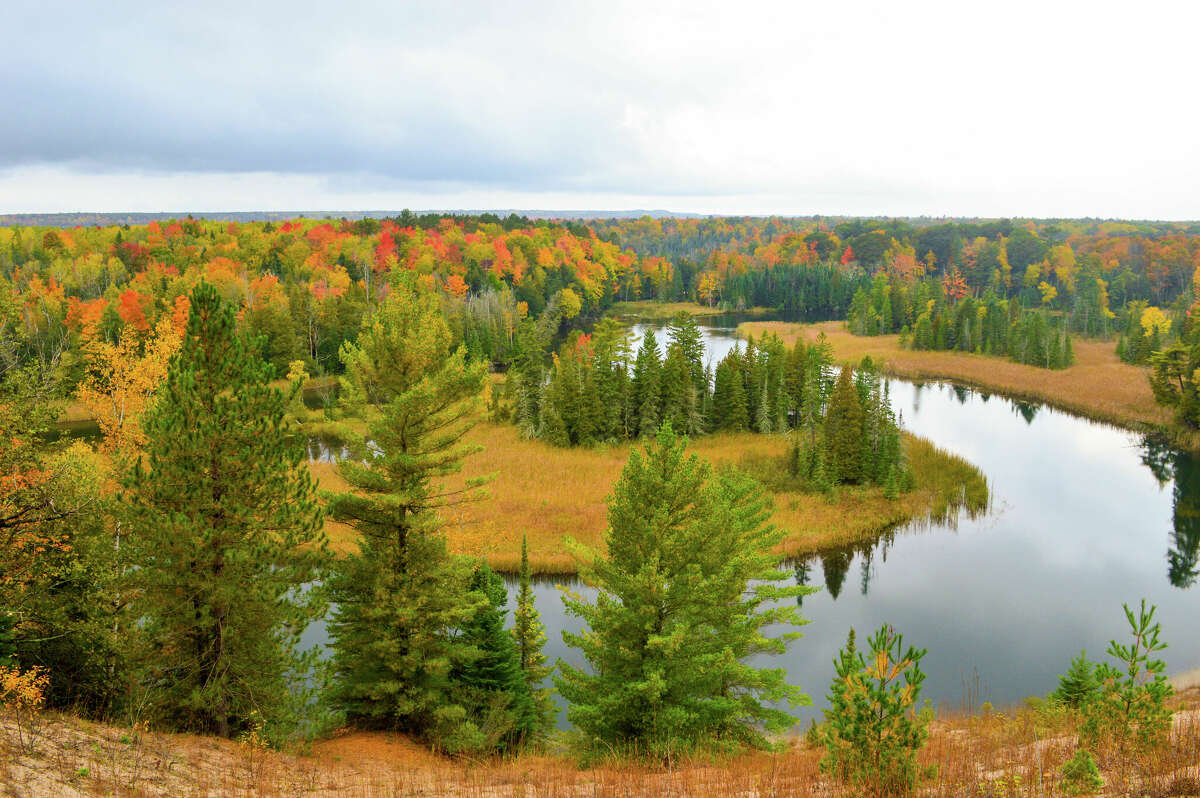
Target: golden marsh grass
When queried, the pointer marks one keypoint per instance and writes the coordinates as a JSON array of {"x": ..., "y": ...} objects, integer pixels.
[{"x": 550, "y": 493}]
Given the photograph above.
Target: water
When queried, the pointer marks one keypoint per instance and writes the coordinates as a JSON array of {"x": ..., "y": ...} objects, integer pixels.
[{"x": 1085, "y": 517}]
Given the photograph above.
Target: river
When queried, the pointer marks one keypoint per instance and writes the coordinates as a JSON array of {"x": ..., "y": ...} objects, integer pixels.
[{"x": 1084, "y": 516}]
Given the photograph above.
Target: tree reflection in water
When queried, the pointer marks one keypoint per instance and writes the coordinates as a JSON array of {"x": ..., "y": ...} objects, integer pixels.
[{"x": 1183, "y": 554}]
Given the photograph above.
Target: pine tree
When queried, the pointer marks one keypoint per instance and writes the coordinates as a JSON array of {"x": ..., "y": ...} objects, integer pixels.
[
  {"x": 530, "y": 637},
  {"x": 226, "y": 533},
  {"x": 1129, "y": 709},
  {"x": 873, "y": 731},
  {"x": 401, "y": 597},
  {"x": 685, "y": 593}
]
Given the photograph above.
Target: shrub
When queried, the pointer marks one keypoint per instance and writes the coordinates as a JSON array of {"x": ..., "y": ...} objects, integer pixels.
[
  {"x": 1080, "y": 775},
  {"x": 22, "y": 694}
]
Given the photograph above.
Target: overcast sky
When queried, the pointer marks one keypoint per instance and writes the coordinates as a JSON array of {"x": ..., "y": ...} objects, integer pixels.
[{"x": 851, "y": 107}]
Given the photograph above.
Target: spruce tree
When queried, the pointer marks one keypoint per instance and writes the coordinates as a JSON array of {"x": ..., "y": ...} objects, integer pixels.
[
  {"x": 226, "y": 534},
  {"x": 843, "y": 430},
  {"x": 686, "y": 591},
  {"x": 763, "y": 422},
  {"x": 401, "y": 598},
  {"x": 644, "y": 389},
  {"x": 491, "y": 685},
  {"x": 530, "y": 636},
  {"x": 729, "y": 396},
  {"x": 676, "y": 388},
  {"x": 1078, "y": 685},
  {"x": 684, "y": 334}
]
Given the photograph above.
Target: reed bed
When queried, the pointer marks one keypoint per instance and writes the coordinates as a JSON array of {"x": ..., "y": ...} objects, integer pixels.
[
  {"x": 1098, "y": 386},
  {"x": 550, "y": 493}
]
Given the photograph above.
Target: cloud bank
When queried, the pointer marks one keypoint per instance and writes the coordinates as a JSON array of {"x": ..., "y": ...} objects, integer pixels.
[{"x": 857, "y": 107}]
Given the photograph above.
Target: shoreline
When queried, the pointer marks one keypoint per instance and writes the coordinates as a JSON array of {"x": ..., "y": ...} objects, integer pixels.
[{"x": 1099, "y": 387}]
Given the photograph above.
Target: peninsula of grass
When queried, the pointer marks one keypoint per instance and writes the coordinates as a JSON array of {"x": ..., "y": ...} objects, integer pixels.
[
  {"x": 550, "y": 493},
  {"x": 1099, "y": 386},
  {"x": 651, "y": 310}
]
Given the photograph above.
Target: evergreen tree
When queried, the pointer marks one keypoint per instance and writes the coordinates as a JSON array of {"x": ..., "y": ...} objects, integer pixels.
[
  {"x": 610, "y": 376},
  {"x": 685, "y": 594},
  {"x": 873, "y": 731},
  {"x": 763, "y": 422},
  {"x": 491, "y": 685},
  {"x": 530, "y": 637},
  {"x": 644, "y": 389},
  {"x": 227, "y": 533},
  {"x": 729, "y": 395},
  {"x": 677, "y": 389},
  {"x": 1078, "y": 685},
  {"x": 401, "y": 598},
  {"x": 844, "y": 430},
  {"x": 1130, "y": 705},
  {"x": 684, "y": 334}
]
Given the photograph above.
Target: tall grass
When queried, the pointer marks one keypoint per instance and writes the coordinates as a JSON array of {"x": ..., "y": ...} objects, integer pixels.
[{"x": 548, "y": 493}]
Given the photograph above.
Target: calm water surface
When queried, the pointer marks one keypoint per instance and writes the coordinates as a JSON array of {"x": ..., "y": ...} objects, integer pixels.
[{"x": 1084, "y": 517}]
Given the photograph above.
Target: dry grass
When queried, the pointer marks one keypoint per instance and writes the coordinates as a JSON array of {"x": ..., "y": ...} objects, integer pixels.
[
  {"x": 1015, "y": 752},
  {"x": 1098, "y": 386},
  {"x": 649, "y": 309},
  {"x": 549, "y": 493}
]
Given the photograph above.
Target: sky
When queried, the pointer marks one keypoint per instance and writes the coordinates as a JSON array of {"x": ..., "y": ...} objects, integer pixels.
[{"x": 853, "y": 107}]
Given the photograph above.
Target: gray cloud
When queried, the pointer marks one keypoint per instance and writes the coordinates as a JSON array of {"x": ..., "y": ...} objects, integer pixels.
[{"x": 934, "y": 106}]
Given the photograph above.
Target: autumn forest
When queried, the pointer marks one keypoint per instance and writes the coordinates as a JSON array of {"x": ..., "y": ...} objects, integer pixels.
[{"x": 225, "y": 440}]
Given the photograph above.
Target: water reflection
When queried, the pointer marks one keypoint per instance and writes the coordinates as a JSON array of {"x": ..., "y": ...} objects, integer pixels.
[
  {"x": 1025, "y": 410},
  {"x": 1181, "y": 468}
]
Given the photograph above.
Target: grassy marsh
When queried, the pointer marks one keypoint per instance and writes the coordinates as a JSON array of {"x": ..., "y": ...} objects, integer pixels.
[{"x": 549, "y": 493}]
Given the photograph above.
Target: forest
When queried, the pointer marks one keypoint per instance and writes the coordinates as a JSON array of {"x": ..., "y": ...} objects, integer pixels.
[
  {"x": 1015, "y": 288},
  {"x": 165, "y": 575}
]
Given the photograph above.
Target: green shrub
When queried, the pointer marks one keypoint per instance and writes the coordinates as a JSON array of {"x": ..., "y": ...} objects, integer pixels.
[{"x": 1080, "y": 775}]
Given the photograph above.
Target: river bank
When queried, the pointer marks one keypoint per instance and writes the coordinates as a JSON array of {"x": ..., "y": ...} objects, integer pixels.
[{"x": 1098, "y": 387}]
